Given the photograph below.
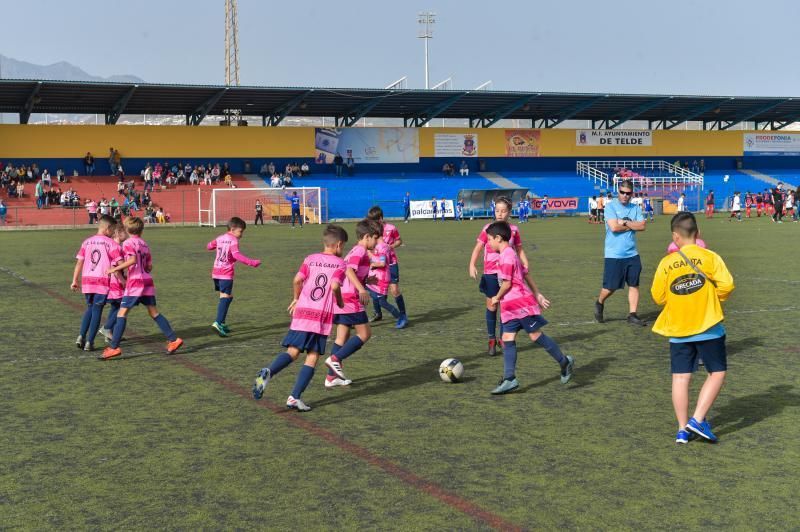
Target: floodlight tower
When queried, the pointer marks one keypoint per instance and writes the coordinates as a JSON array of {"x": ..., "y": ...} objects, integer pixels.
[
  {"x": 426, "y": 19},
  {"x": 231, "y": 43}
]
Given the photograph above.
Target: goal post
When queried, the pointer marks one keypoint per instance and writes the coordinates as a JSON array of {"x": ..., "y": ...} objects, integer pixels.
[{"x": 218, "y": 205}]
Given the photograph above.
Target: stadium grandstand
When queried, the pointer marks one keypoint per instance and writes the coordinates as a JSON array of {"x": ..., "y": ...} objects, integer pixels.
[{"x": 556, "y": 144}]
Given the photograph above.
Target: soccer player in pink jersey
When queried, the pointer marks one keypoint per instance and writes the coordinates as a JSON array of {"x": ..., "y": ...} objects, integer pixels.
[
  {"x": 116, "y": 286},
  {"x": 96, "y": 255},
  {"x": 489, "y": 286},
  {"x": 355, "y": 296},
  {"x": 317, "y": 286},
  {"x": 391, "y": 236},
  {"x": 379, "y": 287},
  {"x": 228, "y": 254},
  {"x": 139, "y": 288},
  {"x": 520, "y": 308}
]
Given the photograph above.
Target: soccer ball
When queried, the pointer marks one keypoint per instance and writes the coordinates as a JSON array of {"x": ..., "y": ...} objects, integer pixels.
[{"x": 451, "y": 370}]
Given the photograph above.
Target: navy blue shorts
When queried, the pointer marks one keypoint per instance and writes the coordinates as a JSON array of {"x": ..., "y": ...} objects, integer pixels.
[
  {"x": 95, "y": 299},
  {"x": 354, "y": 318},
  {"x": 394, "y": 273},
  {"x": 224, "y": 286},
  {"x": 683, "y": 356},
  {"x": 132, "y": 301},
  {"x": 619, "y": 272},
  {"x": 114, "y": 302},
  {"x": 489, "y": 285},
  {"x": 531, "y": 324},
  {"x": 306, "y": 342}
]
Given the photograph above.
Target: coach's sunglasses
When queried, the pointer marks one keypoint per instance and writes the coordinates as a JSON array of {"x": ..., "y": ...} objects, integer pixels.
[{"x": 625, "y": 192}]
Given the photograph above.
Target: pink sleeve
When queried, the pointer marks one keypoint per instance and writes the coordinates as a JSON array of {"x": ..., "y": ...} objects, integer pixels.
[
  {"x": 243, "y": 259},
  {"x": 355, "y": 259},
  {"x": 303, "y": 271},
  {"x": 506, "y": 272},
  {"x": 128, "y": 251},
  {"x": 519, "y": 238},
  {"x": 81, "y": 252},
  {"x": 212, "y": 245},
  {"x": 483, "y": 238},
  {"x": 395, "y": 233},
  {"x": 338, "y": 275}
]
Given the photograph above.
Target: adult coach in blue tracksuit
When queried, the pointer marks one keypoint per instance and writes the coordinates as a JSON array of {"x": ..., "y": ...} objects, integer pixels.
[
  {"x": 295, "y": 200},
  {"x": 407, "y": 206},
  {"x": 622, "y": 263}
]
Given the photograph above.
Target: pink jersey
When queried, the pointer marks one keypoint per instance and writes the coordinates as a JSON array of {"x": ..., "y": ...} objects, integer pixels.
[
  {"x": 490, "y": 258},
  {"x": 91, "y": 207},
  {"x": 140, "y": 282},
  {"x": 98, "y": 253},
  {"x": 315, "y": 306},
  {"x": 358, "y": 261},
  {"x": 380, "y": 253},
  {"x": 227, "y": 247},
  {"x": 519, "y": 301},
  {"x": 672, "y": 248},
  {"x": 116, "y": 288},
  {"x": 390, "y": 236}
]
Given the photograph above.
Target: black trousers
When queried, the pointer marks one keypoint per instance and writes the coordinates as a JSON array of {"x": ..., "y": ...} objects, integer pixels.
[{"x": 259, "y": 216}]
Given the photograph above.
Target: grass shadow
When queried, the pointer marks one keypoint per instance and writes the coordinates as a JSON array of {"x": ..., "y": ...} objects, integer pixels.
[
  {"x": 584, "y": 375},
  {"x": 441, "y": 314},
  {"x": 743, "y": 412},
  {"x": 737, "y": 346}
]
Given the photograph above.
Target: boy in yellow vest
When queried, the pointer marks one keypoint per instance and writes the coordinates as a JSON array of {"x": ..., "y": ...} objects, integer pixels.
[{"x": 690, "y": 284}]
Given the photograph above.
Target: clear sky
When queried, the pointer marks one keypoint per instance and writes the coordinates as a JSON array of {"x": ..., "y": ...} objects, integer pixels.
[{"x": 732, "y": 47}]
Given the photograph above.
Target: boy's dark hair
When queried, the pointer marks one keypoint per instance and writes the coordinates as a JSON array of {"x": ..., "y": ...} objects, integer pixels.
[
  {"x": 501, "y": 229},
  {"x": 367, "y": 228},
  {"x": 375, "y": 213},
  {"x": 333, "y": 234},
  {"x": 107, "y": 220},
  {"x": 236, "y": 223},
  {"x": 685, "y": 224},
  {"x": 134, "y": 225},
  {"x": 626, "y": 183},
  {"x": 503, "y": 199}
]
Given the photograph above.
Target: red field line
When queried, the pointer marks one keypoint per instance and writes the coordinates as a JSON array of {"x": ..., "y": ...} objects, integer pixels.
[{"x": 426, "y": 486}]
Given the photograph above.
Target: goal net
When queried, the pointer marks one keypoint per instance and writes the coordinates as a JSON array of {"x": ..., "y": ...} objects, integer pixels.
[{"x": 218, "y": 205}]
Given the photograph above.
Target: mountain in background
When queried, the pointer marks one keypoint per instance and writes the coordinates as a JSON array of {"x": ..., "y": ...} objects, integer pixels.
[{"x": 14, "y": 69}]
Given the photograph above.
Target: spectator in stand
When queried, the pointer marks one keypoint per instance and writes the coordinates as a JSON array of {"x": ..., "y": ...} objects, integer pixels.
[
  {"x": 39, "y": 193},
  {"x": 103, "y": 206},
  {"x": 36, "y": 172},
  {"x": 20, "y": 189},
  {"x": 229, "y": 180},
  {"x": 194, "y": 179},
  {"x": 149, "y": 214},
  {"x": 275, "y": 181},
  {"x": 29, "y": 175},
  {"x": 3, "y": 212},
  {"x": 215, "y": 174},
  {"x": 287, "y": 181},
  {"x": 91, "y": 208},
  {"x": 464, "y": 168},
  {"x": 61, "y": 177},
  {"x": 305, "y": 169},
  {"x": 446, "y": 169},
  {"x": 338, "y": 163},
  {"x": 271, "y": 168},
  {"x": 702, "y": 167},
  {"x": 295, "y": 169},
  {"x": 88, "y": 164},
  {"x": 288, "y": 170},
  {"x": 207, "y": 177},
  {"x": 46, "y": 179},
  {"x": 264, "y": 172},
  {"x": 351, "y": 164},
  {"x": 160, "y": 216}
]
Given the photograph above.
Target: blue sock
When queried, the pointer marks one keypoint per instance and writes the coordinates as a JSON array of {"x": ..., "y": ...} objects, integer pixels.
[
  {"x": 112, "y": 317},
  {"x": 491, "y": 322},
  {"x": 334, "y": 352},
  {"x": 86, "y": 320},
  {"x": 280, "y": 363},
  {"x": 401, "y": 303},
  {"x": 119, "y": 329},
  {"x": 94, "y": 325},
  {"x": 388, "y": 306},
  {"x": 552, "y": 347},
  {"x": 222, "y": 308},
  {"x": 165, "y": 327},
  {"x": 509, "y": 359},
  {"x": 303, "y": 378},
  {"x": 351, "y": 346},
  {"x": 376, "y": 303}
]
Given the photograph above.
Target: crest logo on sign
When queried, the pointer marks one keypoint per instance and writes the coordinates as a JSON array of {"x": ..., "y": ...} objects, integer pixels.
[{"x": 469, "y": 146}]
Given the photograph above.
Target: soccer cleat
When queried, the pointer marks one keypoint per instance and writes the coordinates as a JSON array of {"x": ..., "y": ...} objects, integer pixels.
[
  {"x": 492, "y": 347},
  {"x": 402, "y": 321},
  {"x": 598, "y": 312},
  {"x": 297, "y": 404},
  {"x": 500, "y": 343},
  {"x": 506, "y": 386},
  {"x": 108, "y": 334},
  {"x": 376, "y": 317},
  {"x": 80, "y": 342},
  {"x": 333, "y": 382},
  {"x": 566, "y": 370},
  {"x": 110, "y": 352},
  {"x": 336, "y": 367},
  {"x": 682, "y": 436},
  {"x": 217, "y": 326},
  {"x": 174, "y": 346},
  {"x": 262, "y": 379},
  {"x": 225, "y": 326},
  {"x": 702, "y": 429},
  {"x": 634, "y": 319},
  {"x": 88, "y": 347}
]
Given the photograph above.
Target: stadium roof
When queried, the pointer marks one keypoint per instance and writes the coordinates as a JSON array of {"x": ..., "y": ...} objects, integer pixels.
[{"x": 415, "y": 107}]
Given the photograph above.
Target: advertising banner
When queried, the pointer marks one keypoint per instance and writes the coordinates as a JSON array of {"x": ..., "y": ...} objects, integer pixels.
[
  {"x": 613, "y": 137},
  {"x": 455, "y": 145},
  {"x": 367, "y": 145},
  {"x": 555, "y": 204},
  {"x": 771, "y": 144},
  {"x": 523, "y": 142},
  {"x": 423, "y": 209}
]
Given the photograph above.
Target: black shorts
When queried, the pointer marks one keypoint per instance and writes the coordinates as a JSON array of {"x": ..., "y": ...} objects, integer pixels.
[
  {"x": 353, "y": 318},
  {"x": 489, "y": 285},
  {"x": 594, "y": 212},
  {"x": 685, "y": 355},
  {"x": 619, "y": 272}
]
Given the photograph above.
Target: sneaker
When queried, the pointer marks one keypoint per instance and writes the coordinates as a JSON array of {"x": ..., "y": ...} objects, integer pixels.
[
  {"x": 492, "y": 347},
  {"x": 702, "y": 429},
  {"x": 297, "y": 404},
  {"x": 261, "y": 382},
  {"x": 683, "y": 436},
  {"x": 88, "y": 347},
  {"x": 402, "y": 321},
  {"x": 80, "y": 342},
  {"x": 174, "y": 346},
  {"x": 376, "y": 317},
  {"x": 506, "y": 386},
  {"x": 336, "y": 367},
  {"x": 217, "y": 326},
  {"x": 598, "y": 312},
  {"x": 634, "y": 319},
  {"x": 333, "y": 382},
  {"x": 566, "y": 371},
  {"x": 110, "y": 352}
]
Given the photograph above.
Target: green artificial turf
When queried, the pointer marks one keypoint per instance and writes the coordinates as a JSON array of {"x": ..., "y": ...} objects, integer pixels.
[{"x": 151, "y": 441}]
